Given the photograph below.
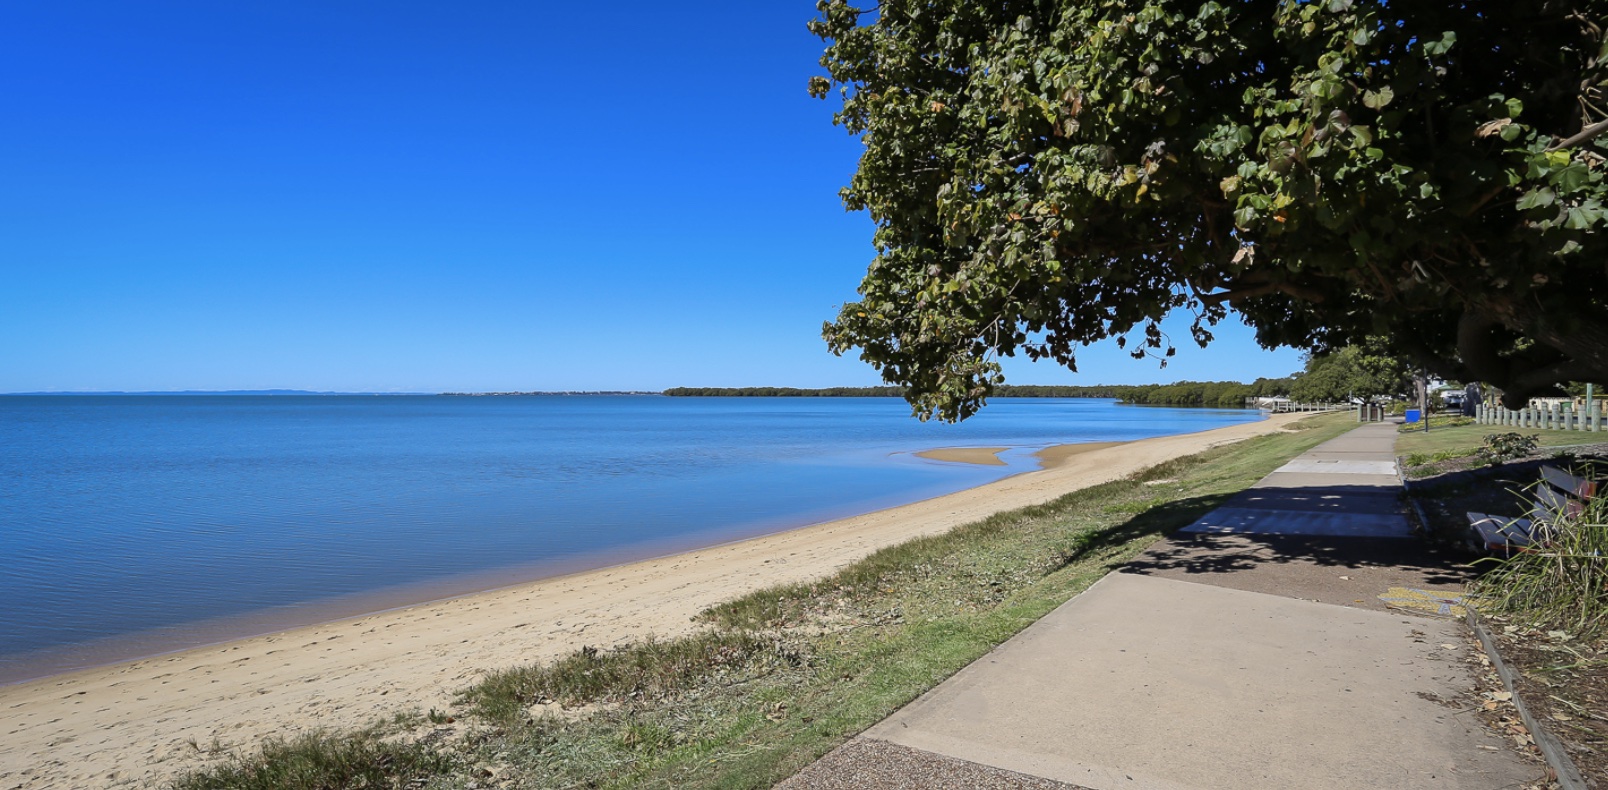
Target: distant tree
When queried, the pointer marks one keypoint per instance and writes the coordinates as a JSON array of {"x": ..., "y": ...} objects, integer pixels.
[
  {"x": 1351, "y": 372},
  {"x": 1047, "y": 174}
]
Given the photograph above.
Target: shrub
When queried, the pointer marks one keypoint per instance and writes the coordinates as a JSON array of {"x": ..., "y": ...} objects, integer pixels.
[{"x": 1501, "y": 447}]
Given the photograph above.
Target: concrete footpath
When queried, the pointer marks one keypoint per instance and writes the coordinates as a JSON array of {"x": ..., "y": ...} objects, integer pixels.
[{"x": 1254, "y": 649}]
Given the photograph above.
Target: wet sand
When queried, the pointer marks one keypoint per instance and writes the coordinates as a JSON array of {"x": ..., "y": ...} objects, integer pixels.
[
  {"x": 135, "y": 723},
  {"x": 1048, "y": 458}
]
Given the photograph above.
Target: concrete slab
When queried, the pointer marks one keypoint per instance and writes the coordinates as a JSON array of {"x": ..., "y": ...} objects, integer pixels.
[
  {"x": 1294, "y": 522},
  {"x": 1376, "y": 457},
  {"x": 1151, "y": 683},
  {"x": 1311, "y": 465},
  {"x": 1378, "y": 483},
  {"x": 1368, "y": 445},
  {"x": 1340, "y": 499},
  {"x": 866, "y": 763}
]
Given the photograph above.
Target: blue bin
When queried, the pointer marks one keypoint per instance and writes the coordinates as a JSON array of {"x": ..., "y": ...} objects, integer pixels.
[{"x": 1414, "y": 415}]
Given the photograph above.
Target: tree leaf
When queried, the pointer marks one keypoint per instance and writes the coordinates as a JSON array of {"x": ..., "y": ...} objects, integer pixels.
[{"x": 1536, "y": 198}]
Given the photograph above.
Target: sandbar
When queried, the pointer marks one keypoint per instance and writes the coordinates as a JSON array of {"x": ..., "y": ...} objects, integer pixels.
[
  {"x": 1051, "y": 457},
  {"x": 982, "y": 456},
  {"x": 139, "y": 722}
]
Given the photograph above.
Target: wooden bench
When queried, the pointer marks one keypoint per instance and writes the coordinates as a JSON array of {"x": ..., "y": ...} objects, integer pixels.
[{"x": 1558, "y": 495}]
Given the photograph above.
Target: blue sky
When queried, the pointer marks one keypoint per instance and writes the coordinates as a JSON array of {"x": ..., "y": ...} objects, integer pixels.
[{"x": 368, "y": 196}]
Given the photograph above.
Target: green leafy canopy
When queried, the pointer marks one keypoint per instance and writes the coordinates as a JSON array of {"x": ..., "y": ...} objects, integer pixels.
[{"x": 1044, "y": 175}]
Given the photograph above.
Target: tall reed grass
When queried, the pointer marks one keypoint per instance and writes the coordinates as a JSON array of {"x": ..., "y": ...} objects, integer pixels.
[{"x": 1561, "y": 582}]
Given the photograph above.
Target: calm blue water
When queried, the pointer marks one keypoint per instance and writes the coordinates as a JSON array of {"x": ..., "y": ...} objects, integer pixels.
[{"x": 129, "y": 525}]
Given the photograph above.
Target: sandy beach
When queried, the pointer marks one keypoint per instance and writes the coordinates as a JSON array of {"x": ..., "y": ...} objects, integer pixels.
[{"x": 146, "y": 721}]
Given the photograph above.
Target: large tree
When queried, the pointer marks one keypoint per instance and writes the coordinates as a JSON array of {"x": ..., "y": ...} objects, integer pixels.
[
  {"x": 1046, "y": 174},
  {"x": 1352, "y": 372}
]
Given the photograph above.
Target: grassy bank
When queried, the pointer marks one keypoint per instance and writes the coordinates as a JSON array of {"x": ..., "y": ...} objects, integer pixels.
[
  {"x": 1442, "y": 443},
  {"x": 780, "y": 676}
]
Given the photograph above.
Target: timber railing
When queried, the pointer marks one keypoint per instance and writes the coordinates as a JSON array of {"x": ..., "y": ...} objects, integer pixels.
[
  {"x": 1287, "y": 406},
  {"x": 1550, "y": 416}
]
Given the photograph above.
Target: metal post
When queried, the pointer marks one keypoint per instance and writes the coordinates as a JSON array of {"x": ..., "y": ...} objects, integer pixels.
[{"x": 1590, "y": 407}]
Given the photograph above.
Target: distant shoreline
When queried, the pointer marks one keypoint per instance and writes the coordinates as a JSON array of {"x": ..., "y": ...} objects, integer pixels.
[
  {"x": 1110, "y": 391},
  {"x": 1221, "y": 394},
  {"x": 546, "y": 393}
]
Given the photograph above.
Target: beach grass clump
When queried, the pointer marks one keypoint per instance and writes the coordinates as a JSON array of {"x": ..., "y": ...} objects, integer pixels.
[
  {"x": 647, "y": 671},
  {"x": 1561, "y": 583},
  {"x": 779, "y": 677},
  {"x": 978, "y": 563},
  {"x": 327, "y": 761}
]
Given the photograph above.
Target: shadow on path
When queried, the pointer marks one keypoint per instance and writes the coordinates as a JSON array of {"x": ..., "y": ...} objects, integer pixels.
[{"x": 1347, "y": 571}]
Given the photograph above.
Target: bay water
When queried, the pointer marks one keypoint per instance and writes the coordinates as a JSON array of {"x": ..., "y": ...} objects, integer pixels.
[{"x": 133, "y": 525}]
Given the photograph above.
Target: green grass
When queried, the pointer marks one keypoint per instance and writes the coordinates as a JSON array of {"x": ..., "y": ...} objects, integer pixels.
[
  {"x": 782, "y": 675},
  {"x": 1436, "y": 422},
  {"x": 1453, "y": 442}
]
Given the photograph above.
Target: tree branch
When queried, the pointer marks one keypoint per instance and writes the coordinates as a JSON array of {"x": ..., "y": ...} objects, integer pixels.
[
  {"x": 1585, "y": 134},
  {"x": 1484, "y": 198},
  {"x": 1288, "y": 289},
  {"x": 1476, "y": 345}
]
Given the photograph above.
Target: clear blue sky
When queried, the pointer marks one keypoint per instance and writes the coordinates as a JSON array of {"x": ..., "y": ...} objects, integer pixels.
[{"x": 394, "y": 196}]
